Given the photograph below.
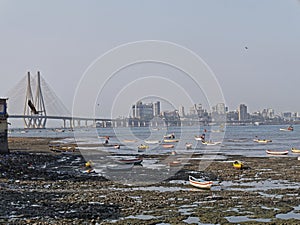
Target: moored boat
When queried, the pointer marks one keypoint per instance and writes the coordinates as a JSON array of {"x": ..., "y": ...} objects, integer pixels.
[
  {"x": 126, "y": 167},
  {"x": 143, "y": 147},
  {"x": 168, "y": 146},
  {"x": 262, "y": 141},
  {"x": 117, "y": 146},
  {"x": 137, "y": 160},
  {"x": 211, "y": 143},
  {"x": 169, "y": 136},
  {"x": 277, "y": 152},
  {"x": 200, "y": 183},
  {"x": 289, "y": 128},
  {"x": 152, "y": 141},
  {"x": 238, "y": 164},
  {"x": 188, "y": 145},
  {"x": 294, "y": 150},
  {"x": 129, "y": 141},
  {"x": 175, "y": 163},
  {"x": 171, "y": 140}
]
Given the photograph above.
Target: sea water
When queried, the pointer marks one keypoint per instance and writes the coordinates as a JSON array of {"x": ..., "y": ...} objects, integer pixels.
[{"x": 235, "y": 140}]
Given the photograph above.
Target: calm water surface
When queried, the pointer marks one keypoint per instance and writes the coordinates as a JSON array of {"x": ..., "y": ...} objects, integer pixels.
[{"x": 236, "y": 140}]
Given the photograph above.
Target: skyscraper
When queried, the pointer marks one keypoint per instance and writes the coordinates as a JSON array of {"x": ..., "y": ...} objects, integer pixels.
[
  {"x": 243, "y": 114},
  {"x": 156, "y": 108}
]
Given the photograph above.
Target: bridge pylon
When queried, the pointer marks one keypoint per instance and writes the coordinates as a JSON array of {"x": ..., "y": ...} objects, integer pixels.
[{"x": 34, "y": 108}]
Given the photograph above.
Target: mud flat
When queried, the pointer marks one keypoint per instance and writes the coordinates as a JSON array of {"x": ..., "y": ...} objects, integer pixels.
[{"x": 41, "y": 187}]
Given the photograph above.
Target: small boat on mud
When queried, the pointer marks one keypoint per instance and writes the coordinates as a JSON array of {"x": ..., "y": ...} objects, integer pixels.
[
  {"x": 136, "y": 161},
  {"x": 238, "y": 164},
  {"x": 294, "y": 150},
  {"x": 200, "y": 183},
  {"x": 276, "y": 152},
  {"x": 125, "y": 167},
  {"x": 175, "y": 163},
  {"x": 62, "y": 148}
]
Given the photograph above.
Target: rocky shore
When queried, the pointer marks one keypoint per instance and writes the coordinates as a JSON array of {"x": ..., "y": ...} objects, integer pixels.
[{"x": 41, "y": 187}]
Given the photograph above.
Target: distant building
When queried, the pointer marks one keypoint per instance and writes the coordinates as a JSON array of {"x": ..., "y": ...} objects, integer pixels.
[
  {"x": 142, "y": 111},
  {"x": 243, "y": 112},
  {"x": 268, "y": 113},
  {"x": 232, "y": 116},
  {"x": 156, "y": 108},
  {"x": 181, "y": 111},
  {"x": 219, "y": 108}
]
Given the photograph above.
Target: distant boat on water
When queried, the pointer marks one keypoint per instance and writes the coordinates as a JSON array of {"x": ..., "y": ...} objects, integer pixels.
[
  {"x": 276, "y": 152},
  {"x": 289, "y": 128},
  {"x": 262, "y": 141}
]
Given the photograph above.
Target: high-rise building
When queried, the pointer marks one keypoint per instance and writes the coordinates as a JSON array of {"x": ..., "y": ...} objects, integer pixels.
[
  {"x": 181, "y": 111},
  {"x": 243, "y": 114},
  {"x": 219, "y": 108},
  {"x": 144, "y": 111},
  {"x": 156, "y": 108}
]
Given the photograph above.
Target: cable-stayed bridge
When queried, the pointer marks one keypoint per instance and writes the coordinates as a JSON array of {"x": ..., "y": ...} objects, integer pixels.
[{"x": 39, "y": 106}]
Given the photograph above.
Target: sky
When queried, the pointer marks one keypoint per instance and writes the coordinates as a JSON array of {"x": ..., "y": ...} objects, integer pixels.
[{"x": 251, "y": 46}]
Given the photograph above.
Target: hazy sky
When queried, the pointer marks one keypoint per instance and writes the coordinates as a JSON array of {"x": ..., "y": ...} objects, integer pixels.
[{"x": 252, "y": 46}]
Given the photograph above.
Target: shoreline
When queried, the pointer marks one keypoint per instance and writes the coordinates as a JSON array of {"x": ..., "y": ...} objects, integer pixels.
[{"x": 39, "y": 186}]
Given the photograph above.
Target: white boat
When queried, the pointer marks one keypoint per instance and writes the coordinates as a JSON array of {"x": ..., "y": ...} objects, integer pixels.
[
  {"x": 198, "y": 138},
  {"x": 188, "y": 145},
  {"x": 169, "y": 136},
  {"x": 289, "y": 128},
  {"x": 152, "y": 142},
  {"x": 262, "y": 141},
  {"x": 210, "y": 143},
  {"x": 200, "y": 183},
  {"x": 275, "y": 152}
]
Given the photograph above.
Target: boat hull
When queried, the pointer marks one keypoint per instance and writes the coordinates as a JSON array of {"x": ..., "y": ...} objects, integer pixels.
[
  {"x": 273, "y": 152},
  {"x": 198, "y": 183},
  {"x": 294, "y": 150},
  {"x": 238, "y": 165}
]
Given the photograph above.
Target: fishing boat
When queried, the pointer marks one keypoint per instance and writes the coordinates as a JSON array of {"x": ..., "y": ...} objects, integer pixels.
[
  {"x": 211, "y": 143},
  {"x": 197, "y": 138},
  {"x": 295, "y": 150},
  {"x": 200, "y": 183},
  {"x": 276, "y": 152},
  {"x": 175, "y": 163},
  {"x": 238, "y": 164},
  {"x": 168, "y": 146},
  {"x": 143, "y": 147},
  {"x": 152, "y": 142},
  {"x": 129, "y": 141},
  {"x": 171, "y": 140},
  {"x": 136, "y": 160},
  {"x": 117, "y": 146},
  {"x": 289, "y": 128},
  {"x": 262, "y": 141},
  {"x": 62, "y": 148},
  {"x": 169, "y": 136},
  {"x": 188, "y": 145},
  {"x": 126, "y": 167}
]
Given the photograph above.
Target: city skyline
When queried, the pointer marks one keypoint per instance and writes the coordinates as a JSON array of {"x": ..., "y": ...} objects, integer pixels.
[{"x": 252, "y": 47}]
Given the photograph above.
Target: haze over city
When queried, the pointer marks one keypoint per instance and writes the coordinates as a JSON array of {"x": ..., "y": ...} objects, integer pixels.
[{"x": 252, "y": 47}]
